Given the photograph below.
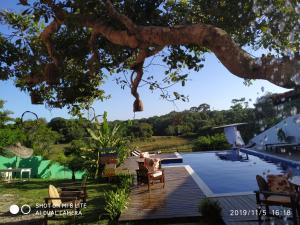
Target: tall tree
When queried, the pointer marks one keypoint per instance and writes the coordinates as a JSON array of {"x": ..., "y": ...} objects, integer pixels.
[
  {"x": 4, "y": 115},
  {"x": 59, "y": 49}
]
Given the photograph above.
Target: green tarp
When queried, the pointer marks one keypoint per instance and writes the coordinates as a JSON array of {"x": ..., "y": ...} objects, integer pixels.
[{"x": 40, "y": 168}]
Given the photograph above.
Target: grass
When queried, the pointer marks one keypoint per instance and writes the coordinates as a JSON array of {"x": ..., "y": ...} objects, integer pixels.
[
  {"x": 165, "y": 144},
  {"x": 156, "y": 143},
  {"x": 36, "y": 190}
]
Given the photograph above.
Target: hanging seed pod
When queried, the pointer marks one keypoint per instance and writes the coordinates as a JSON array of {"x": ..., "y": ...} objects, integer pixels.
[{"x": 138, "y": 106}]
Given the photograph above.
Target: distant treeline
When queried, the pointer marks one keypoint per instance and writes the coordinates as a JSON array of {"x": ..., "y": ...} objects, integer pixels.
[
  {"x": 200, "y": 120},
  {"x": 194, "y": 122}
]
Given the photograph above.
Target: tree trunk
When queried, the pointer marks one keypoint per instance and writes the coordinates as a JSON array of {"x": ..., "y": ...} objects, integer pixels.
[
  {"x": 73, "y": 175},
  {"x": 97, "y": 175}
]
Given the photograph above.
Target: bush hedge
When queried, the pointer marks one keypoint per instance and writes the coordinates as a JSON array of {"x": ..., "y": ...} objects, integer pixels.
[{"x": 214, "y": 142}]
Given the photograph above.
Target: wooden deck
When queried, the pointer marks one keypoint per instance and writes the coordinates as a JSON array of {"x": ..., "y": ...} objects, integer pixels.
[
  {"x": 240, "y": 202},
  {"x": 232, "y": 215},
  {"x": 178, "y": 200}
]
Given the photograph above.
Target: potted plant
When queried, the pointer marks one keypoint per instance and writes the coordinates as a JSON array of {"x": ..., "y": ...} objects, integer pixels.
[{"x": 211, "y": 211}]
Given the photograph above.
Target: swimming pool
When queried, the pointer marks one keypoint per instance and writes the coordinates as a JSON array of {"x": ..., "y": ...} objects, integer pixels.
[{"x": 229, "y": 171}]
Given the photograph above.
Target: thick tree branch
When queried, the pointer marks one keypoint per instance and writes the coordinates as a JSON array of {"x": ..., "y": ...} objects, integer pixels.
[
  {"x": 93, "y": 62},
  {"x": 126, "y": 21},
  {"x": 46, "y": 38},
  {"x": 51, "y": 29},
  {"x": 232, "y": 56}
]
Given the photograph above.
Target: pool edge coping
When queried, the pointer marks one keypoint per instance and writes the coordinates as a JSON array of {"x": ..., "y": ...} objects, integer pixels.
[{"x": 249, "y": 151}]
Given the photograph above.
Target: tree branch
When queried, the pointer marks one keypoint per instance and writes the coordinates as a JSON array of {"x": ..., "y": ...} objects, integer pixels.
[
  {"x": 125, "y": 20},
  {"x": 51, "y": 29},
  {"x": 231, "y": 55},
  {"x": 137, "y": 67}
]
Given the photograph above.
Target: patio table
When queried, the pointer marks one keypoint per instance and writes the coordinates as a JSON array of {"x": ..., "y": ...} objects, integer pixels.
[{"x": 18, "y": 170}]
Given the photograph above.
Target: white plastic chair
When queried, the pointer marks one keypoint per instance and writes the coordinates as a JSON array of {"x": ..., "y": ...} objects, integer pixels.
[{"x": 8, "y": 175}]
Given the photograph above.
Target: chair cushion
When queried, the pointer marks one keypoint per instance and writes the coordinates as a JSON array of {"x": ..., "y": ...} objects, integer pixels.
[
  {"x": 280, "y": 199},
  {"x": 278, "y": 184},
  {"x": 151, "y": 164},
  {"x": 156, "y": 164},
  {"x": 53, "y": 193},
  {"x": 144, "y": 155},
  {"x": 156, "y": 174}
]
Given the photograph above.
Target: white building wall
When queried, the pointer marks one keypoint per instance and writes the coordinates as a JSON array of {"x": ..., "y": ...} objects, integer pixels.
[{"x": 290, "y": 126}]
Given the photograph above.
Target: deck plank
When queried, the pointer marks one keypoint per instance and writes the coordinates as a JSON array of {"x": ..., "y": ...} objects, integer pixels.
[
  {"x": 179, "y": 199},
  {"x": 242, "y": 202}
]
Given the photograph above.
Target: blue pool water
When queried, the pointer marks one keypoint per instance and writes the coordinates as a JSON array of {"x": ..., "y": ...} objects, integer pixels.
[{"x": 225, "y": 172}]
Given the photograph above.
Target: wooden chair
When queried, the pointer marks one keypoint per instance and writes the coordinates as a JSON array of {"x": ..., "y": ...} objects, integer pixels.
[
  {"x": 150, "y": 171},
  {"x": 67, "y": 189},
  {"x": 266, "y": 198},
  {"x": 55, "y": 202}
]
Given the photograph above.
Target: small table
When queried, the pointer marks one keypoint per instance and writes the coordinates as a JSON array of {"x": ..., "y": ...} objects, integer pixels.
[
  {"x": 18, "y": 170},
  {"x": 295, "y": 181}
]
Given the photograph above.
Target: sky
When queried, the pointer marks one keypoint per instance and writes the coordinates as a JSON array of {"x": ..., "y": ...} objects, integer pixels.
[{"x": 213, "y": 85}]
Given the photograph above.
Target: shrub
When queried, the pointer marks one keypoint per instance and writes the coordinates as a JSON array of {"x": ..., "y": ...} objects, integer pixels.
[
  {"x": 116, "y": 201},
  {"x": 125, "y": 182},
  {"x": 211, "y": 211},
  {"x": 214, "y": 142},
  {"x": 10, "y": 136}
]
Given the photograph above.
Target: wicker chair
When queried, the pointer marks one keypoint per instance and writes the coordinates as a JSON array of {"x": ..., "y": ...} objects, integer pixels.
[
  {"x": 266, "y": 198},
  {"x": 149, "y": 172}
]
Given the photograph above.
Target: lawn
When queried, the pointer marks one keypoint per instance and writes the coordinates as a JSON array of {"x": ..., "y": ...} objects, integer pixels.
[
  {"x": 165, "y": 144},
  {"x": 36, "y": 190}
]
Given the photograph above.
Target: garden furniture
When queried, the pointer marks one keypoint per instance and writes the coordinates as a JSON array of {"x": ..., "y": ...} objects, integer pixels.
[
  {"x": 9, "y": 173},
  {"x": 56, "y": 204},
  {"x": 276, "y": 192},
  {"x": 71, "y": 188},
  {"x": 149, "y": 172}
]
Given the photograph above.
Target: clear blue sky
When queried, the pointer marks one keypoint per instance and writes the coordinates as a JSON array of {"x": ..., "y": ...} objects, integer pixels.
[{"x": 214, "y": 85}]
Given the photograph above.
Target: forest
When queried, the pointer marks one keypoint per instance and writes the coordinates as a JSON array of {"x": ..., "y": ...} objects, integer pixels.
[{"x": 198, "y": 121}]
